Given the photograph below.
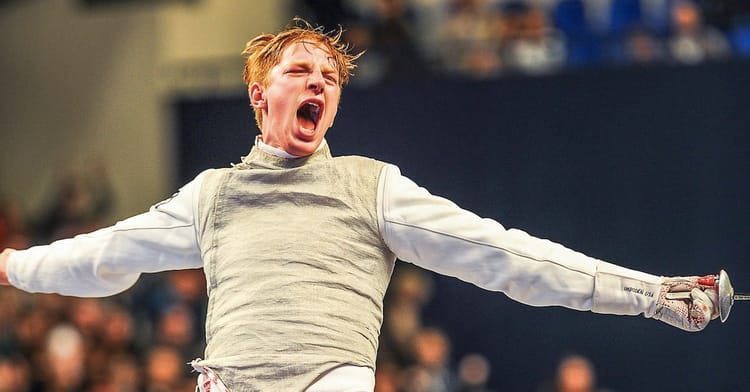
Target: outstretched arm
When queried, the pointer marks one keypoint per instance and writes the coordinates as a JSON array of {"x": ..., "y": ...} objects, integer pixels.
[
  {"x": 110, "y": 260},
  {"x": 436, "y": 234}
]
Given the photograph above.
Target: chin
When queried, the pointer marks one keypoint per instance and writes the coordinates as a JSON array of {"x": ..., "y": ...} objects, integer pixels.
[{"x": 304, "y": 148}]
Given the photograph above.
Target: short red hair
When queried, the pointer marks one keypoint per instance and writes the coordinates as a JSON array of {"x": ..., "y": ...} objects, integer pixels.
[{"x": 263, "y": 52}]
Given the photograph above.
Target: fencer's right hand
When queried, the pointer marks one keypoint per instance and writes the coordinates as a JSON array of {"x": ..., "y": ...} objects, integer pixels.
[
  {"x": 692, "y": 314},
  {"x": 4, "y": 266}
]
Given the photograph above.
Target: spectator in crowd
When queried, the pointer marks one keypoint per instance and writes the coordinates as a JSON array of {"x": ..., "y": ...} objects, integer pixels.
[
  {"x": 473, "y": 373},
  {"x": 118, "y": 332},
  {"x": 692, "y": 41},
  {"x": 176, "y": 328},
  {"x": 80, "y": 203},
  {"x": 124, "y": 373},
  {"x": 468, "y": 39},
  {"x": 165, "y": 371},
  {"x": 528, "y": 43},
  {"x": 64, "y": 360},
  {"x": 432, "y": 355},
  {"x": 574, "y": 373},
  {"x": 87, "y": 315},
  {"x": 387, "y": 376},
  {"x": 15, "y": 375},
  {"x": 642, "y": 47},
  {"x": 415, "y": 379},
  {"x": 409, "y": 291}
]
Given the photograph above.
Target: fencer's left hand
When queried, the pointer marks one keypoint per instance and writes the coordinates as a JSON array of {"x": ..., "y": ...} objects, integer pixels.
[{"x": 691, "y": 314}]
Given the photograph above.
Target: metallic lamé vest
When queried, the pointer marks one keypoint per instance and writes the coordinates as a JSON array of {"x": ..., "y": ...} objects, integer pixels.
[{"x": 296, "y": 268}]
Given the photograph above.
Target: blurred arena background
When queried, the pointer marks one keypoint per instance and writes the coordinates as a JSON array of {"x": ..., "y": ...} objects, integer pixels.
[{"x": 617, "y": 127}]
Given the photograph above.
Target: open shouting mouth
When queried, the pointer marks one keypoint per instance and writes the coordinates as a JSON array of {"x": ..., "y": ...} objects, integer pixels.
[{"x": 309, "y": 113}]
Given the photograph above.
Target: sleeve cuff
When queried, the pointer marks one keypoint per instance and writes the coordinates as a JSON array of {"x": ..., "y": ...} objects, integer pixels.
[{"x": 623, "y": 291}]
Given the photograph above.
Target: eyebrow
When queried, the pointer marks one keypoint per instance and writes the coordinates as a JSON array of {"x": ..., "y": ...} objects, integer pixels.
[{"x": 308, "y": 64}]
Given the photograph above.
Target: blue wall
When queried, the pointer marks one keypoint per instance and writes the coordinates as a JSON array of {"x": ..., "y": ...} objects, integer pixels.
[{"x": 647, "y": 168}]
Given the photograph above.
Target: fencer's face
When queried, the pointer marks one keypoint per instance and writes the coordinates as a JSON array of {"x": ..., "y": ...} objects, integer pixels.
[{"x": 300, "y": 100}]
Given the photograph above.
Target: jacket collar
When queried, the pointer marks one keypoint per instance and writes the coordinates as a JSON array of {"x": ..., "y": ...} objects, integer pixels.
[{"x": 264, "y": 156}]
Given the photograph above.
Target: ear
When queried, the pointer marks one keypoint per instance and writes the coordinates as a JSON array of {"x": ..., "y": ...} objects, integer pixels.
[{"x": 257, "y": 96}]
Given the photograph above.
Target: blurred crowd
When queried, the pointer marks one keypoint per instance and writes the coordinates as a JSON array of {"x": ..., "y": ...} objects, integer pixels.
[
  {"x": 407, "y": 39},
  {"x": 414, "y": 357},
  {"x": 141, "y": 340}
]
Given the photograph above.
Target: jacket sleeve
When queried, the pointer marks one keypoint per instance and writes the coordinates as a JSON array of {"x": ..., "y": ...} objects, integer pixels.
[
  {"x": 110, "y": 260},
  {"x": 436, "y": 234}
]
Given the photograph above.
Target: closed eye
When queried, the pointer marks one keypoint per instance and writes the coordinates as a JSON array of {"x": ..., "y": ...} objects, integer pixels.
[{"x": 333, "y": 78}]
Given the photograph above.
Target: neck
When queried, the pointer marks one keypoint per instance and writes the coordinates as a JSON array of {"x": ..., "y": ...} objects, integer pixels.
[{"x": 279, "y": 152}]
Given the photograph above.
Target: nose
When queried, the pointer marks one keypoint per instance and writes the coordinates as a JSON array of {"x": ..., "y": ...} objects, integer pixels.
[{"x": 316, "y": 82}]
